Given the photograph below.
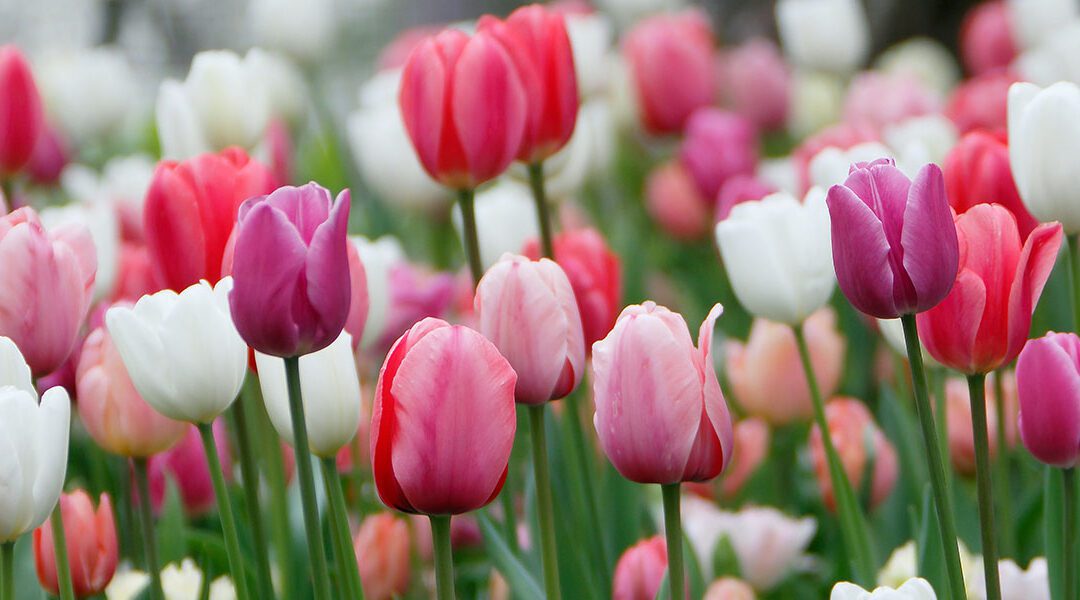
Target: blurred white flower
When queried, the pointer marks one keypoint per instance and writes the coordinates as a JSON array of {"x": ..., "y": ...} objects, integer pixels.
[
  {"x": 1033, "y": 20},
  {"x": 591, "y": 37},
  {"x": 303, "y": 29},
  {"x": 903, "y": 563},
  {"x": 100, "y": 218},
  {"x": 1016, "y": 583},
  {"x": 913, "y": 589},
  {"x": 627, "y": 12},
  {"x": 780, "y": 173},
  {"x": 893, "y": 332},
  {"x": 88, "y": 93},
  {"x": 285, "y": 86},
  {"x": 923, "y": 58},
  {"x": 179, "y": 582},
  {"x": 831, "y": 165},
  {"x": 379, "y": 258},
  {"x": 920, "y": 140},
  {"x": 588, "y": 152},
  {"x": 1057, "y": 58},
  {"x": 505, "y": 219},
  {"x": 827, "y": 35},
  {"x": 816, "y": 100}
]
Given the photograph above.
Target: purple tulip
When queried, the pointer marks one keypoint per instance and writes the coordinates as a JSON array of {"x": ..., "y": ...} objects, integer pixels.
[
  {"x": 1048, "y": 386},
  {"x": 718, "y": 146},
  {"x": 291, "y": 270},
  {"x": 893, "y": 240}
]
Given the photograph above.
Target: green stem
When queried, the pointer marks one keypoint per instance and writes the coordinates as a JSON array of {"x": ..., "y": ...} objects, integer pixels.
[
  {"x": 250, "y": 474},
  {"x": 1001, "y": 469},
  {"x": 1069, "y": 554},
  {"x": 348, "y": 568},
  {"x": 545, "y": 510},
  {"x": 977, "y": 396},
  {"x": 572, "y": 420},
  {"x": 852, "y": 522},
  {"x": 320, "y": 578},
  {"x": 444, "y": 558},
  {"x": 467, "y": 200},
  {"x": 673, "y": 532},
  {"x": 279, "y": 509},
  {"x": 7, "y": 571},
  {"x": 1074, "y": 260},
  {"x": 543, "y": 211},
  {"x": 939, "y": 379},
  {"x": 146, "y": 515},
  {"x": 63, "y": 567},
  {"x": 942, "y": 501},
  {"x": 228, "y": 521}
]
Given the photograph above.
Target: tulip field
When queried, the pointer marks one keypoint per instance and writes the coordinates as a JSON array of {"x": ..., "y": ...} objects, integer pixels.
[{"x": 582, "y": 299}]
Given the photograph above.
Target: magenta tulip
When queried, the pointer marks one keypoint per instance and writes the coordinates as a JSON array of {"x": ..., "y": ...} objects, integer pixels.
[
  {"x": 894, "y": 243},
  {"x": 987, "y": 43},
  {"x": 21, "y": 118},
  {"x": 718, "y": 146},
  {"x": 290, "y": 270},
  {"x": 1048, "y": 386}
]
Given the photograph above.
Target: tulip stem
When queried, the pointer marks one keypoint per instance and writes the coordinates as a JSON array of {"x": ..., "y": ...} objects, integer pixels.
[
  {"x": 349, "y": 569},
  {"x": 444, "y": 557},
  {"x": 852, "y": 522},
  {"x": 1069, "y": 539},
  {"x": 543, "y": 211},
  {"x": 942, "y": 501},
  {"x": 467, "y": 200},
  {"x": 545, "y": 510},
  {"x": 63, "y": 567},
  {"x": 225, "y": 511},
  {"x": 320, "y": 579},
  {"x": 146, "y": 516},
  {"x": 673, "y": 532},
  {"x": 977, "y": 396},
  {"x": 7, "y": 571},
  {"x": 250, "y": 475},
  {"x": 1074, "y": 260},
  {"x": 1001, "y": 465}
]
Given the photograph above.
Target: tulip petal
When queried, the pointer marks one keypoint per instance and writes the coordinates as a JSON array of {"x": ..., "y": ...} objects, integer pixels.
[
  {"x": 754, "y": 256},
  {"x": 51, "y": 447},
  {"x": 861, "y": 254},
  {"x": 1037, "y": 260},
  {"x": 327, "y": 267},
  {"x": 949, "y": 329},
  {"x": 931, "y": 249},
  {"x": 12, "y": 476},
  {"x": 13, "y": 368},
  {"x": 142, "y": 351},
  {"x": 716, "y": 426},
  {"x": 1048, "y": 385},
  {"x": 173, "y": 220}
]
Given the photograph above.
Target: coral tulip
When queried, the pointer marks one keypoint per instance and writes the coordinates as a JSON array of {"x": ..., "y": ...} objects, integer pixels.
[
  {"x": 852, "y": 428},
  {"x": 92, "y": 548},
  {"x": 750, "y": 449},
  {"x": 977, "y": 172},
  {"x": 382, "y": 553},
  {"x": 673, "y": 200},
  {"x": 958, "y": 411},
  {"x": 640, "y": 570}
]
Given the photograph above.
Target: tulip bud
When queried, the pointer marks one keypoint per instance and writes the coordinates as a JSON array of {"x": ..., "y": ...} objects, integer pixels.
[
  {"x": 977, "y": 171},
  {"x": 894, "y": 243},
  {"x": 986, "y": 38},
  {"x": 729, "y": 588},
  {"x": 640, "y": 570},
  {"x": 90, "y": 537},
  {"x": 1048, "y": 388},
  {"x": 828, "y": 35},
  {"x": 981, "y": 103},
  {"x": 185, "y": 465},
  {"x": 673, "y": 200},
  {"x": 861, "y": 446},
  {"x": 21, "y": 118},
  {"x": 958, "y": 411},
  {"x": 915, "y": 588},
  {"x": 450, "y": 379},
  {"x": 718, "y": 146},
  {"x": 382, "y": 553},
  {"x": 757, "y": 83}
]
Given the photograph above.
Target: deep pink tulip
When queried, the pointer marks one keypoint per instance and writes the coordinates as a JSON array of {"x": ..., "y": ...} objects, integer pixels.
[
  {"x": 191, "y": 211},
  {"x": 527, "y": 309},
  {"x": 1048, "y": 387},
  {"x": 49, "y": 158},
  {"x": 671, "y": 60},
  {"x": 977, "y": 171},
  {"x": 981, "y": 102},
  {"x": 289, "y": 262},
  {"x": 185, "y": 465},
  {"x": 984, "y": 320},
  {"x": 757, "y": 83},
  {"x": 718, "y": 146},
  {"x": 739, "y": 189},
  {"x": 443, "y": 421},
  {"x": 660, "y": 414},
  {"x": 879, "y": 99},
  {"x": 673, "y": 200},
  {"x": 45, "y": 287},
  {"x": 852, "y": 426},
  {"x": 894, "y": 243},
  {"x": 986, "y": 38},
  {"x": 464, "y": 107},
  {"x": 640, "y": 570},
  {"x": 92, "y": 549},
  {"x": 958, "y": 410},
  {"x": 539, "y": 47},
  {"x": 21, "y": 111}
]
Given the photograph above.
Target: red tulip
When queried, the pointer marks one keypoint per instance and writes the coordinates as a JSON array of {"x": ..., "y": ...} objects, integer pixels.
[
  {"x": 464, "y": 107},
  {"x": 984, "y": 321},
  {"x": 539, "y": 47},
  {"x": 852, "y": 428},
  {"x": 1048, "y": 387},
  {"x": 443, "y": 421},
  {"x": 981, "y": 102},
  {"x": 718, "y": 146},
  {"x": 977, "y": 172},
  {"x": 986, "y": 38},
  {"x": 382, "y": 554},
  {"x": 92, "y": 549},
  {"x": 191, "y": 209},
  {"x": 640, "y": 570},
  {"x": 21, "y": 112}
]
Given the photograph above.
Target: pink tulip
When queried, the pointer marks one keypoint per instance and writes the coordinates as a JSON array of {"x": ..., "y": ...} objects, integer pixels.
[
  {"x": 382, "y": 554},
  {"x": 852, "y": 426},
  {"x": 729, "y": 588},
  {"x": 977, "y": 171},
  {"x": 185, "y": 465},
  {"x": 49, "y": 158},
  {"x": 90, "y": 537},
  {"x": 671, "y": 60},
  {"x": 539, "y": 47},
  {"x": 113, "y": 412},
  {"x": 984, "y": 320},
  {"x": 958, "y": 417},
  {"x": 1048, "y": 388},
  {"x": 739, "y": 189},
  {"x": 674, "y": 202},
  {"x": 358, "y": 297},
  {"x": 135, "y": 274},
  {"x": 718, "y": 146},
  {"x": 766, "y": 373},
  {"x": 464, "y": 107},
  {"x": 640, "y": 570},
  {"x": 45, "y": 288},
  {"x": 416, "y": 293},
  {"x": 527, "y": 309},
  {"x": 981, "y": 103},
  {"x": 757, "y": 83},
  {"x": 291, "y": 256},
  {"x": 986, "y": 38},
  {"x": 880, "y": 99},
  {"x": 443, "y": 421},
  {"x": 21, "y": 111},
  {"x": 280, "y": 147},
  {"x": 750, "y": 449},
  {"x": 660, "y": 414},
  {"x": 894, "y": 243}
]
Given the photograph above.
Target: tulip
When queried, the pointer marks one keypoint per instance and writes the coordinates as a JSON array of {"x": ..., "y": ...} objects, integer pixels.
[
  {"x": 925, "y": 59},
  {"x": 832, "y": 165},
  {"x": 49, "y": 158},
  {"x": 913, "y": 589},
  {"x": 843, "y": 136},
  {"x": 277, "y": 24},
  {"x": 286, "y": 88},
  {"x": 382, "y": 552},
  {"x": 918, "y": 140},
  {"x": 435, "y": 371},
  {"x": 90, "y": 93},
  {"x": 977, "y": 171},
  {"x": 984, "y": 320},
  {"x": 750, "y": 449},
  {"x": 757, "y": 83},
  {"x": 1048, "y": 388},
  {"x": 816, "y": 100},
  {"x": 1043, "y": 130},
  {"x": 1054, "y": 59},
  {"x": 464, "y": 107},
  {"x": 739, "y": 189},
  {"x": 505, "y": 220},
  {"x": 671, "y": 60},
  {"x": 981, "y": 103},
  {"x": 852, "y": 428},
  {"x": 1033, "y": 20},
  {"x": 729, "y": 588},
  {"x": 879, "y": 99},
  {"x": 1032, "y": 583},
  {"x": 111, "y": 409},
  {"x": 380, "y": 258},
  {"x": 90, "y": 537},
  {"x": 718, "y": 146},
  {"x": 134, "y": 274},
  {"x": 828, "y": 35},
  {"x": 21, "y": 116},
  {"x": 958, "y": 411},
  {"x": 99, "y": 217},
  {"x": 359, "y": 303},
  {"x": 47, "y": 283},
  {"x": 123, "y": 181},
  {"x": 777, "y": 255},
  {"x": 539, "y": 47},
  {"x": 290, "y": 256},
  {"x": 640, "y": 570},
  {"x": 191, "y": 209},
  {"x": 766, "y": 374},
  {"x": 882, "y": 272},
  {"x": 986, "y": 38},
  {"x": 673, "y": 200},
  {"x": 591, "y": 34},
  {"x": 186, "y": 467},
  {"x": 181, "y": 582},
  {"x": 182, "y": 351}
]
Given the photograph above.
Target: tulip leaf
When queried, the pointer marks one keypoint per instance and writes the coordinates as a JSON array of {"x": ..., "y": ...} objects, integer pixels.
[
  {"x": 509, "y": 566},
  {"x": 725, "y": 561},
  {"x": 1053, "y": 517},
  {"x": 170, "y": 526},
  {"x": 931, "y": 556},
  {"x": 664, "y": 591}
]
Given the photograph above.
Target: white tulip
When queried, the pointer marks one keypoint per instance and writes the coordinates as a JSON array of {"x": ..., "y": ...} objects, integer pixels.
[
  {"x": 285, "y": 86},
  {"x": 179, "y": 582},
  {"x": 182, "y": 351},
  {"x": 1016, "y": 583},
  {"x": 1033, "y": 20},
  {"x": 379, "y": 258},
  {"x": 1057, "y": 58},
  {"x": 630, "y": 11},
  {"x": 827, "y": 35},
  {"x": 919, "y": 140},
  {"x": 178, "y": 127},
  {"x": 816, "y": 99},
  {"x": 927, "y": 60},
  {"x": 1044, "y": 141},
  {"x": 778, "y": 254},
  {"x": 89, "y": 93},
  {"x": 303, "y": 29},
  {"x": 780, "y": 173},
  {"x": 505, "y": 219},
  {"x": 915, "y": 588},
  {"x": 767, "y": 543},
  {"x": 330, "y": 388},
  {"x": 591, "y": 37},
  {"x": 99, "y": 217},
  {"x": 903, "y": 564},
  {"x": 832, "y": 165}
]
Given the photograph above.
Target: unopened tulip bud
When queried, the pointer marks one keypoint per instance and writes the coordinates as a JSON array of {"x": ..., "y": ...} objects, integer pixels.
[{"x": 1048, "y": 388}]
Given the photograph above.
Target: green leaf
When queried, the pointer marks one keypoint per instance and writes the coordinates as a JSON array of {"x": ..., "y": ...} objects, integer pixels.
[
  {"x": 170, "y": 526},
  {"x": 517, "y": 576},
  {"x": 725, "y": 561},
  {"x": 931, "y": 556},
  {"x": 1053, "y": 517}
]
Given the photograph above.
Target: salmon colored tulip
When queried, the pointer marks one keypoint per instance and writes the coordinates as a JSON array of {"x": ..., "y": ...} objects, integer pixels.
[
  {"x": 729, "y": 588},
  {"x": 382, "y": 553},
  {"x": 852, "y": 427},
  {"x": 958, "y": 417},
  {"x": 640, "y": 570},
  {"x": 443, "y": 421},
  {"x": 90, "y": 536},
  {"x": 750, "y": 449},
  {"x": 673, "y": 200},
  {"x": 1048, "y": 388},
  {"x": 977, "y": 172},
  {"x": 21, "y": 111}
]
